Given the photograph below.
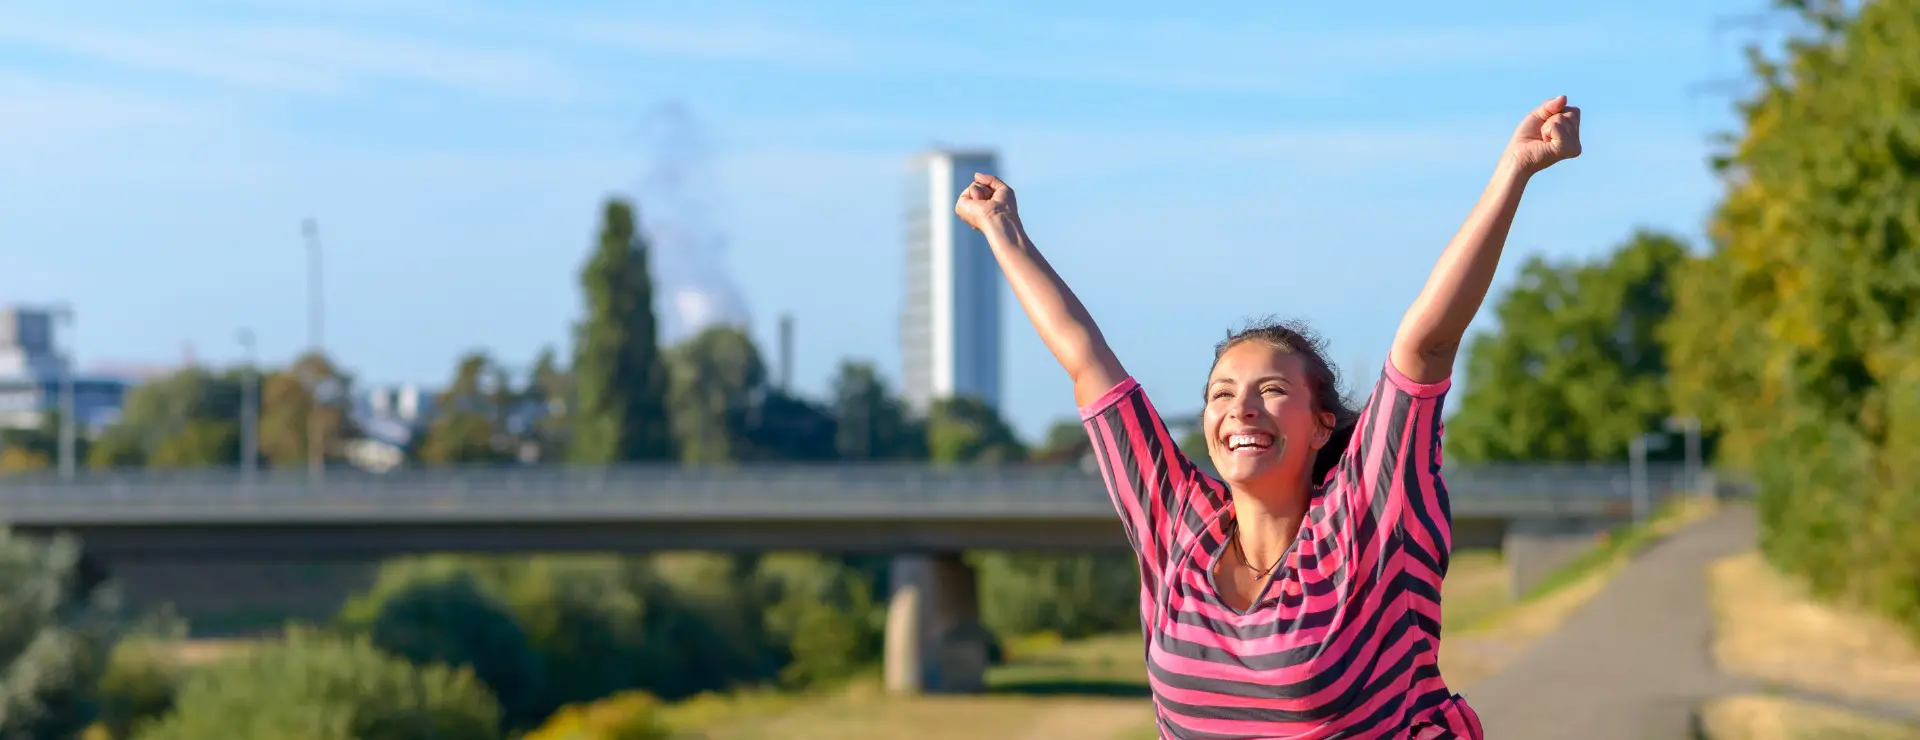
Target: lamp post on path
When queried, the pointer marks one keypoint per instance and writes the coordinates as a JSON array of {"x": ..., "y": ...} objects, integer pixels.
[
  {"x": 1642, "y": 493},
  {"x": 249, "y": 411},
  {"x": 316, "y": 447},
  {"x": 1689, "y": 426},
  {"x": 63, "y": 313}
]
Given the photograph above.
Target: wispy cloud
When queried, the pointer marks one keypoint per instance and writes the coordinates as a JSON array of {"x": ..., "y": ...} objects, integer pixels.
[
  {"x": 279, "y": 57},
  {"x": 37, "y": 107}
]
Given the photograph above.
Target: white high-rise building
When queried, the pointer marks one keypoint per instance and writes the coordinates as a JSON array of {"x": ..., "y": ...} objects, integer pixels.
[{"x": 950, "y": 325}]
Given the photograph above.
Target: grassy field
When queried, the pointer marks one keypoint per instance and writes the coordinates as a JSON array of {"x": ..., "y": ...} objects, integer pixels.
[{"x": 1832, "y": 650}]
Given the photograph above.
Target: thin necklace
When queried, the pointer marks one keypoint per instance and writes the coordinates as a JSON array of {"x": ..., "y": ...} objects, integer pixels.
[{"x": 1257, "y": 572}]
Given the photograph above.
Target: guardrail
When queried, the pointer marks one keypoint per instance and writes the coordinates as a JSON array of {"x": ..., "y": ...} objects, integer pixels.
[{"x": 665, "y": 491}]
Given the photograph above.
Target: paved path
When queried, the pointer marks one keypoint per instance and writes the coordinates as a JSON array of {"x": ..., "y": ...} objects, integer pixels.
[{"x": 1635, "y": 661}]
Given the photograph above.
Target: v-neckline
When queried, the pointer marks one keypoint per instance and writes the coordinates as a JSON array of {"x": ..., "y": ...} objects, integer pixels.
[{"x": 1285, "y": 569}]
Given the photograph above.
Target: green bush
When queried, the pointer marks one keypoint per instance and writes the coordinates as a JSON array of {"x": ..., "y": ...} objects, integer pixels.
[
  {"x": 1072, "y": 595},
  {"x": 430, "y": 614},
  {"x": 139, "y": 688},
  {"x": 586, "y": 619},
  {"x": 58, "y": 626},
  {"x": 821, "y": 617},
  {"x": 674, "y": 625},
  {"x": 313, "y": 687},
  {"x": 703, "y": 628}
]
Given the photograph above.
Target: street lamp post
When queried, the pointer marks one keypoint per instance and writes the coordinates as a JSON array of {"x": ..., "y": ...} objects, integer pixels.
[
  {"x": 1637, "y": 470},
  {"x": 316, "y": 448},
  {"x": 64, "y": 314},
  {"x": 1637, "y": 473},
  {"x": 249, "y": 410}
]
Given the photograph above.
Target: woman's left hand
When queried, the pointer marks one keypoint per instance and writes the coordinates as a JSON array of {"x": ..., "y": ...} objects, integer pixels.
[{"x": 1549, "y": 134}]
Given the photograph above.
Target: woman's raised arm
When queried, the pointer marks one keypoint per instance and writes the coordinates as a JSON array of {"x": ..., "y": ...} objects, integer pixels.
[
  {"x": 1431, "y": 331},
  {"x": 1065, "y": 326}
]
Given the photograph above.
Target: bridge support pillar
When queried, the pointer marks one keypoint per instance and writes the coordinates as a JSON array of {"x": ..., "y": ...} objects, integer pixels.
[
  {"x": 1535, "y": 548},
  {"x": 934, "y": 640}
]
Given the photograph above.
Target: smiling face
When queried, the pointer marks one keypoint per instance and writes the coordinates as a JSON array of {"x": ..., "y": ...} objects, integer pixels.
[{"x": 1261, "y": 422}]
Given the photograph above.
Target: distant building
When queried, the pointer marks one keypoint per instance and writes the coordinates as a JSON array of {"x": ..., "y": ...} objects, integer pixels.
[
  {"x": 396, "y": 415},
  {"x": 32, "y": 368},
  {"x": 407, "y": 403},
  {"x": 950, "y": 323},
  {"x": 392, "y": 420}
]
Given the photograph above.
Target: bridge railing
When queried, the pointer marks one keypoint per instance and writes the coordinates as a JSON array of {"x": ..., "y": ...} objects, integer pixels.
[{"x": 784, "y": 490}]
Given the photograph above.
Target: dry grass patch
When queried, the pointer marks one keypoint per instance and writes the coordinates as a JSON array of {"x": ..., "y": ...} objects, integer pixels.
[
  {"x": 865, "y": 714},
  {"x": 1092, "y": 689},
  {"x": 201, "y": 651},
  {"x": 1768, "y": 627},
  {"x": 1775, "y": 718}
]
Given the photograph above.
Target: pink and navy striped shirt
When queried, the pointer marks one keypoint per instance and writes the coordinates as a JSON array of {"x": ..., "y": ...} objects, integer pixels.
[{"x": 1345, "y": 640}]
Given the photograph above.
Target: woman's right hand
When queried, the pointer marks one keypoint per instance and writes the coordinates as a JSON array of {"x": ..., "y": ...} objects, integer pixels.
[{"x": 986, "y": 202}]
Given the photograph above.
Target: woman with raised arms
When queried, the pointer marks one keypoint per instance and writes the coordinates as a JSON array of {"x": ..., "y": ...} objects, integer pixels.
[{"x": 1297, "y": 595}]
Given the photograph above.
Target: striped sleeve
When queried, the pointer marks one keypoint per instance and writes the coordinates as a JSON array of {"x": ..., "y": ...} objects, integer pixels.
[
  {"x": 1392, "y": 470},
  {"x": 1153, "y": 485}
]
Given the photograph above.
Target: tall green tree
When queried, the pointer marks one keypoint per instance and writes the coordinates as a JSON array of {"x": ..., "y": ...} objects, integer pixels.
[
  {"x": 967, "y": 430},
  {"x": 1799, "y": 336},
  {"x": 189, "y": 418},
  {"x": 551, "y": 387},
  {"x": 717, "y": 380},
  {"x": 620, "y": 379},
  {"x": 470, "y": 426},
  {"x": 873, "y": 423},
  {"x": 288, "y": 400},
  {"x": 788, "y": 427},
  {"x": 1576, "y": 368}
]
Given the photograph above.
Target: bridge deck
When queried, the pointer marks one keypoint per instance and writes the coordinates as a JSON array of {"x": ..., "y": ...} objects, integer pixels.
[{"x": 800, "y": 493}]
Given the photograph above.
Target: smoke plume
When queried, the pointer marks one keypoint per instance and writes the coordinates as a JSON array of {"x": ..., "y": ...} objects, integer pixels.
[{"x": 676, "y": 198}]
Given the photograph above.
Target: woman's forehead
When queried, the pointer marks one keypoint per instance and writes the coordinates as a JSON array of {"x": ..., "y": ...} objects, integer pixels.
[{"x": 1255, "y": 359}]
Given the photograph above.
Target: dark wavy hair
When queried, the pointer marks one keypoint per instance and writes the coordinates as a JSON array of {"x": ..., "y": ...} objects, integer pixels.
[{"x": 1323, "y": 380}]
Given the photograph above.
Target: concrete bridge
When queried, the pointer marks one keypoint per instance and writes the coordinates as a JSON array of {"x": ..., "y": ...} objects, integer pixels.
[{"x": 156, "y": 527}]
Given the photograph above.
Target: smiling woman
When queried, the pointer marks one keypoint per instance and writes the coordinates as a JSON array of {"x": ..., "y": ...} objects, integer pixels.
[
  {"x": 1295, "y": 352},
  {"x": 1297, "y": 594}
]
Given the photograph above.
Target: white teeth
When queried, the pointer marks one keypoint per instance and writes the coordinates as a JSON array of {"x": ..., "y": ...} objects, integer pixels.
[{"x": 1238, "y": 441}]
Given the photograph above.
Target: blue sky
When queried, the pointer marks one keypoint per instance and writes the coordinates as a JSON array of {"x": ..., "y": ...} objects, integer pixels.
[{"x": 1185, "y": 166}]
